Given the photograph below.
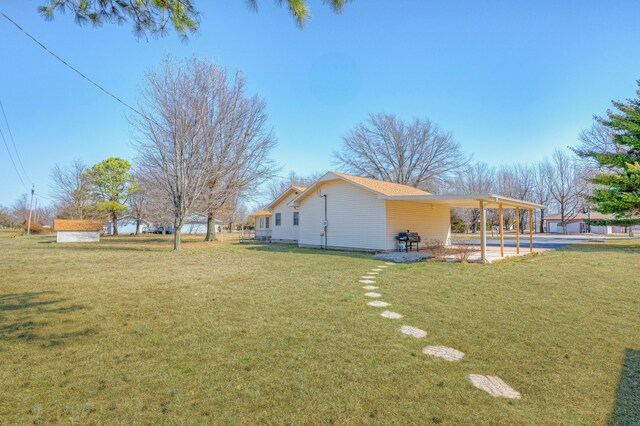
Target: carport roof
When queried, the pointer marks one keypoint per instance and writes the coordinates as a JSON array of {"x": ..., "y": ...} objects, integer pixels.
[{"x": 467, "y": 200}]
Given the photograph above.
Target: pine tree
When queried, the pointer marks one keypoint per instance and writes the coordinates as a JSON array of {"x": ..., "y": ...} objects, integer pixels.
[{"x": 618, "y": 186}]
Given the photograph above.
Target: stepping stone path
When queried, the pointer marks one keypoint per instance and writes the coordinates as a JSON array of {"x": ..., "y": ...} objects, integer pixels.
[
  {"x": 379, "y": 304},
  {"x": 443, "y": 352},
  {"x": 413, "y": 331},
  {"x": 494, "y": 386}
]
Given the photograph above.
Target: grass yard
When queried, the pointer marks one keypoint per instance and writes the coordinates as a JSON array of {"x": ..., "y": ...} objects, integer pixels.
[{"x": 125, "y": 331}]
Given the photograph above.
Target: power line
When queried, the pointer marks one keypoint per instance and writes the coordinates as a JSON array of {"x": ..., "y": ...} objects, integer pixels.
[
  {"x": 69, "y": 65},
  {"x": 12, "y": 162},
  {"x": 14, "y": 143}
]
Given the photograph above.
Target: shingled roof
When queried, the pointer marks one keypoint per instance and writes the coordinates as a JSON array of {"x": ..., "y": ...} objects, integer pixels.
[
  {"x": 382, "y": 187},
  {"x": 77, "y": 225}
]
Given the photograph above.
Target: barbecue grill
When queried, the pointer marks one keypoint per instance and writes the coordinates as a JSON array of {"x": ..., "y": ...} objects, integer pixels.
[{"x": 406, "y": 240}]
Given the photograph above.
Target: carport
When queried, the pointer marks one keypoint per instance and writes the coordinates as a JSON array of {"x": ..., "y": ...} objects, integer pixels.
[{"x": 483, "y": 202}]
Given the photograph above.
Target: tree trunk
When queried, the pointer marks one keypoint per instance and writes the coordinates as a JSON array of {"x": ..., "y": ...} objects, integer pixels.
[
  {"x": 176, "y": 239},
  {"x": 211, "y": 228},
  {"x": 114, "y": 218},
  {"x": 138, "y": 226},
  {"x": 542, "y": 221}
]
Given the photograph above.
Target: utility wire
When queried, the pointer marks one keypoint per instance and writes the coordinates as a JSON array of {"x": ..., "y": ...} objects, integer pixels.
[
  {"x": 12, "y": 162},
  {"x": 14, "y": 143},
  {"x": 69, "y": 65}
]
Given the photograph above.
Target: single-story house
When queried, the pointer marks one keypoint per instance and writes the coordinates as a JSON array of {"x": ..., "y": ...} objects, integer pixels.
[
  {"x": 78, "y": 231},
  {"x": 577, "y": 225},
  {"x": 285, "y": 220},
  {"x": 341, "y": 211},
  {"x": 195, "y": 223}
]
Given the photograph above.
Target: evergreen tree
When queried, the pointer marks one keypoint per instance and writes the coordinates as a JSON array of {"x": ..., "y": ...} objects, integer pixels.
[{"x": 618, "y": 186}]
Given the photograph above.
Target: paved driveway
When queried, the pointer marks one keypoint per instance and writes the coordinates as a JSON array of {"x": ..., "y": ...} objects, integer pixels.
[{"x": 541, "y": 242}]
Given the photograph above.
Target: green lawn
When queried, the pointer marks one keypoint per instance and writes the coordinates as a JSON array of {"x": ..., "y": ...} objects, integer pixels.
[{"x": 125, "y": 331}]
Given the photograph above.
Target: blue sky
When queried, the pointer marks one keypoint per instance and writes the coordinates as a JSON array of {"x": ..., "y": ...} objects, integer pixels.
[{"x": 511, "y": 80}]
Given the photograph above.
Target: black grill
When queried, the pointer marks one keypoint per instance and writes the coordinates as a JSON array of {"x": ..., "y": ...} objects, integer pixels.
[{"x": 406, "y": 240}]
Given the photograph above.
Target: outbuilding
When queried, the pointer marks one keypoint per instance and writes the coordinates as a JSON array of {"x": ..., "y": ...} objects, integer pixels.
[{"x": 78, "y": 231}]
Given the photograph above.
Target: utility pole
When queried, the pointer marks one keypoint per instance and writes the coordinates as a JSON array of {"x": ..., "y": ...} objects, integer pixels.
[{"x": 33, "y": 190}]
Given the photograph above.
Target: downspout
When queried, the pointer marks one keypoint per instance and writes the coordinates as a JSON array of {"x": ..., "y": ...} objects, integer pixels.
[{"x": 325, "y": 224}]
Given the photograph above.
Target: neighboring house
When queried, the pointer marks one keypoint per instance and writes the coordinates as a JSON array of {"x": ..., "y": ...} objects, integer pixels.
[
  {"x": 285, "y": 219},
  {"x": 576, "y": 224},
  {"x": 348, "y": 212},
  {"x": 195, "y": 223},
  {"x": 77, "y": 231}
]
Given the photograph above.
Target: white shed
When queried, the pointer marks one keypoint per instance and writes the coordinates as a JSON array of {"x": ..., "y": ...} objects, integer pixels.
[{"x": 77, "y": 231}]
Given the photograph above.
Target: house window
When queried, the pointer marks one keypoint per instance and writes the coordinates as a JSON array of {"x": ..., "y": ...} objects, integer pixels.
[
  {"x": 262, "y": 222},
  {"x": 278, "y": 219},
  {"x": 296, "y": 218},
  {"x": 267, "y": 222}
]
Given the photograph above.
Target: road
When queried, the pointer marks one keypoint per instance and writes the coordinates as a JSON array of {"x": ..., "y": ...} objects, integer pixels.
[{"x": 539, "y": 241}]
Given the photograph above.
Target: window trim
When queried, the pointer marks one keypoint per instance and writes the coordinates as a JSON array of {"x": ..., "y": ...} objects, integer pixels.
[
  {"x": 278, "y": 219},
  {"x": 296, "y": 218}
]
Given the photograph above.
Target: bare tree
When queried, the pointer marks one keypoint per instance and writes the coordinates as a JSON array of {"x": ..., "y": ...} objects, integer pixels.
[
  {"x": 138, "y": 201},
  {"x": 478, "y": 178},
  {"x": 568, "y": 186},
  {"x": 20, "y": 210},
  {"x": 541, "y": 191},
  {"x": 277, "y": 187},
  {"x": 415, "y": 153},
  {"x": 6, "y": 220},
  {"x": 174, "y": 138},
  {"x": 70, "y": 189},
  {"x": 158, "y": 205},
  {"x": 242, "y": 142},
  {"x": 516, "y": 181}
]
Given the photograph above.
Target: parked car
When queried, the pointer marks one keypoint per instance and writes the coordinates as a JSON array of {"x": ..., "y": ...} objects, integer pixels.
[{"x": 158, "y": 230}]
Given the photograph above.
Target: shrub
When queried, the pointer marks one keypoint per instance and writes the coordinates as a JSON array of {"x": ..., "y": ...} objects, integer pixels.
[
  {"x": 462, "y": 252},
  {"x": 36, "y": 228}
]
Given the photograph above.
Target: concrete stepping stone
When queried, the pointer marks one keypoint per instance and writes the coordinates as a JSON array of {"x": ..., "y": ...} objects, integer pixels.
[
  {"x": 443, "y": 352},
  {"x": 370, "y": 287},
  {"x": 392, "y": 315},
  {"x": 372, "y": 273},
  {"x": 382, "y": 266},
  {"x": 494, "y": 386},
  {"x": 377, "y": 270},
  {"x": 379, "y": 304},
  {"x": 372, "y": 294},
  {"x": 413, "y": 331},
  {"x": 389, "y": 263},
  {"x": 366, "y": 282},
  {"x": 369, "y": 277}
]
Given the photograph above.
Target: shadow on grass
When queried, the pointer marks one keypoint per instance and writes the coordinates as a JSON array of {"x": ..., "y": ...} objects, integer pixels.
[
  {"x": 23, "y": 316},
  {"x": 293, "y": 248},
  {"x": 627, "y": 409},
  {"x": 131, "y": 243}
]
